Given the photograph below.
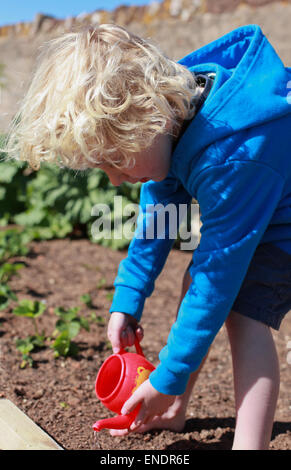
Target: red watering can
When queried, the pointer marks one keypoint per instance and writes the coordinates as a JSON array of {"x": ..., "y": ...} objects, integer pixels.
[{"x": 118, "y": 377}]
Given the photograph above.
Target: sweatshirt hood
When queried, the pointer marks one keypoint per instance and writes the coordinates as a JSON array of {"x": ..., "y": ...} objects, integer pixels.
[{"x": 250, "y": 87}]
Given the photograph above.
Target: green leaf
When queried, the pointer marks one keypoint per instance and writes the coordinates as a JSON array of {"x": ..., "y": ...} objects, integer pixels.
[
  {"x": 8, "y": 171},
  {"x": 109, "y": 296},
  {"x": 94, "y": 179},
  {"x": 26, "y": 360},
  {"x": 71, "y": 328},
  {"x": 2, "y": 193},
  {"x": 53, "y": 195},
  {"x": 12, "y": 243},
  {"x": 39, "y": 340},
  {"x": 86, "y": 298},
  {"x": 97, "y": 319},
  {"x": 101, "y": 283},
  {"x": 7, "y": 270},
  {"x": 84, "y": 323},
  {"x": 24, "y": 345},
  {"x": 6, "y": 295},
  {"x": 63, "y": 346},
  {"x": 67, "y": 315},
  {"x": 29, "y": 308},
  {"x": 31, "y": 217}
]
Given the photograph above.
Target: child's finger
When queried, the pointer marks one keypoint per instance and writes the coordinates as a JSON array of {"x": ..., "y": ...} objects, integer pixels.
[
  {"x": 116, "y": 343},
  {"x": 131, "y": 404},
  {"x": 139, "y": 332},
  {"x": 115, "y": 327},
  {"x": 140, "y": 419},
  {"x": 124, "y": 338},
  {"x": 130, "y": 336}
]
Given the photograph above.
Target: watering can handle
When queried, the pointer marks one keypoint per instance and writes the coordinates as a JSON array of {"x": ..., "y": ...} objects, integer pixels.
[{"x": 137, "y": 347}]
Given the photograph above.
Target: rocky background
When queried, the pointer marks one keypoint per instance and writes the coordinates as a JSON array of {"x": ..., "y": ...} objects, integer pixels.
[{"x": 177, "y": 26}]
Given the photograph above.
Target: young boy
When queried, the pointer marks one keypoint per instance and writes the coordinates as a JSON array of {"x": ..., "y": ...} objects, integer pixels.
[{"x": 216, "y": 127}]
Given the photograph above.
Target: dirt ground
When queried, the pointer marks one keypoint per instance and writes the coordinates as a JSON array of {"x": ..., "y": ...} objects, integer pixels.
[{"x": 58, "y": 394}]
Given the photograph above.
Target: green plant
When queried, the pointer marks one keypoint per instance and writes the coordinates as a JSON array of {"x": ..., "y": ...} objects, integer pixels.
[
  {"x": 30, "y": 309},
  {"x": 13, "y": 242},
  {"x": 67, "y": 328},
  {"x": 51, "y": 202},
  {"x": 86, "y": 298},
  {"x": 109, "y": 296},
  {"x": 64, "y": 405},
  {"x": 64, "y": 346},
  {"x": 6, "y": 295},
  {"x": 7, "y": 270},
  {"x": 101, "y": 283},
  {"x": 97, "y": 319},
  {"x": 26, "y": 346},
  {"x": 14, "y": 180}
]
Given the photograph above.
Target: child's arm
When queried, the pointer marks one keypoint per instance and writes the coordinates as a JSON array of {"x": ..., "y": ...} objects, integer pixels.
[
  {"x": 147, "y": 254},
  {"x": 237, "y": 201}
]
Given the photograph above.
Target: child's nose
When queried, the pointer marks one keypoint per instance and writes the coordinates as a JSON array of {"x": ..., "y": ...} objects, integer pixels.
[{"x": 115, "y": 180}]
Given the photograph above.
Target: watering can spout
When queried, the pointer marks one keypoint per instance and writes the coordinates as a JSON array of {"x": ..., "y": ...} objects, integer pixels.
[{"x": 117, "y": 422}]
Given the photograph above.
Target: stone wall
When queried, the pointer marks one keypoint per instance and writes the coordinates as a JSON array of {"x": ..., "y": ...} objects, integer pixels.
[
  {"x": 170, "y": 25},
  {"x": 184, "y": 10}
]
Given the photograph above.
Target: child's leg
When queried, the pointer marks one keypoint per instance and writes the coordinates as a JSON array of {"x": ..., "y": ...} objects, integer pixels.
[
  {"x": 174, "y": 419},
  {"x": 256, "y": 381}
]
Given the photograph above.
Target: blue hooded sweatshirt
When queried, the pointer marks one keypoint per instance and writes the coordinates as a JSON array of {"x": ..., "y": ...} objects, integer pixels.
[{"x": 235, "y": 159}]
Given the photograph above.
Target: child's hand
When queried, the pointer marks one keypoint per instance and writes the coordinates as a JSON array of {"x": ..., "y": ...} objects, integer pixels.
[
  {"x": 122, "y": 330},
  {"x": 154, "y": 403}
]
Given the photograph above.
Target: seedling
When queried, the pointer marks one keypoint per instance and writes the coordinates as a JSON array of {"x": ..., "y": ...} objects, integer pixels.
[
  {"x": 70, "y": 321},
  {"x": 109, "y": 296},
  {"x": 26, "y": 346},
  {"x": 13, "y": 243},
  {"x": 64, "y": 346},
  {"x": 101, "y": 283},
  {"x": 63, "y": 404},
  {"x": 31, "y": 309},
  {"x": 86, "y": 298},
  {"x": 68, "y": 326},
  {"x": 6, "y": 295},
  {"x": 97, "y": 319},
  {"x": 7, "y": 270}
]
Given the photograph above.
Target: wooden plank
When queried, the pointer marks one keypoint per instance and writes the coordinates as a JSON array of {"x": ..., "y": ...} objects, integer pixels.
[{"x": 19, "y": 432}]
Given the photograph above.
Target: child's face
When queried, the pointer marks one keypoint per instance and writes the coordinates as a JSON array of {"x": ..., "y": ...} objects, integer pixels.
[{"x": 152, "y": 163}]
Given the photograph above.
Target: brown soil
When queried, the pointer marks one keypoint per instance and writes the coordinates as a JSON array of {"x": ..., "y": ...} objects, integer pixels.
[{"x": 58, "y": 394}]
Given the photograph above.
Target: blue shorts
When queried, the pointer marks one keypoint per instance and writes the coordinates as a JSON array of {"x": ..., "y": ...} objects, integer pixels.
[{"x": 265, "y": 294}]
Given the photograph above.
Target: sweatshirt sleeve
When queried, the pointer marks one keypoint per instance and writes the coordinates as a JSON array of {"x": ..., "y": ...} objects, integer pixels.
[
  {"x": 237, "y": 200},
  {"x": 149, "y": 248}
]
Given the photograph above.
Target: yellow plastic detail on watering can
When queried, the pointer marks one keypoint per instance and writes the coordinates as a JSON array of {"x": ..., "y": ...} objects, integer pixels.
[{"x": 142, "y": 375}]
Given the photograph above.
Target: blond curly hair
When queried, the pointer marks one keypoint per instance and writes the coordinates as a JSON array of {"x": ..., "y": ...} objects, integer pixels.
[{"x": 99, "y": 95}]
